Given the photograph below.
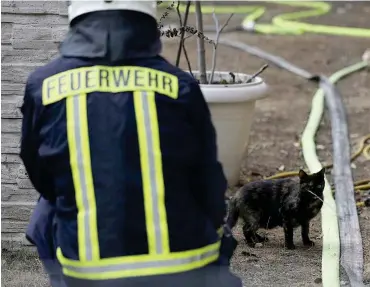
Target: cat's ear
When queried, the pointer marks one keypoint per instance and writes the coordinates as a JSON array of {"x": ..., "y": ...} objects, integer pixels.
[
  {"x": 322, "y": 171},
  {"x": 302, "y": 174}
]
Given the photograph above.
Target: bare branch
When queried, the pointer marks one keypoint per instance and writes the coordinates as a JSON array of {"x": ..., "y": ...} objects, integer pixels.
[
  {"x": 250, "y": 79},
  {"x": 179, "y": 13},
  {"x": 165, "y": 14},
  {"x": 182, "y": 40},
  {"x": 182, "y": 35},
  {"x": 182, "y": 44},
  {"x": 215, "y": 20},
  {"x": 174, "y": 32},
  {"x": 214, "y": 47},
  {"x": 218, "y": 33},
  {"x": 226, "y": 23},
  {"x": 188, "y": 61},
  {"x": 201, "y": 49}
]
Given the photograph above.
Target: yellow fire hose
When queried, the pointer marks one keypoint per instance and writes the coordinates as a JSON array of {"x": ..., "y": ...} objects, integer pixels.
[
  {"x": 288, "y": 23},
  {"x": 329, "y": 220},
  {"x": 284, "y": 23}
]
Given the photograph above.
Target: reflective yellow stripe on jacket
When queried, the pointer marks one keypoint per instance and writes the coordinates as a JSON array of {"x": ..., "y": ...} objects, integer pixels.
[
  {"x": 79, "y": 149},
  {"x": 159, "y": 260},
  {"x": 139, "y": 265},
  {"x": 151, "y": 170}
]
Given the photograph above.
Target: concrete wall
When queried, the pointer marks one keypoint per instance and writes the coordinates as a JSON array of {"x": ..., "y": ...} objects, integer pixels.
[{"x": 30, "y": 34}]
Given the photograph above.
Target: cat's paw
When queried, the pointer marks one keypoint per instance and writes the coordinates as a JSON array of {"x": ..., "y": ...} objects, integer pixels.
[
  {"x": 290, "y": 246},
  {"x": 309, "y": 243}
]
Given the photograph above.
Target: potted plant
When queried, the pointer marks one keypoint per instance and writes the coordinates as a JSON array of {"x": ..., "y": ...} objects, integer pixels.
[{"x": 231, "y": 97}]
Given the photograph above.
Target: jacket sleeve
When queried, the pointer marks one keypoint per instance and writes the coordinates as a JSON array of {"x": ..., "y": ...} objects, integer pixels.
[
  {"x": 37, "y": 172},
  {"x": 209, "y": 172}
]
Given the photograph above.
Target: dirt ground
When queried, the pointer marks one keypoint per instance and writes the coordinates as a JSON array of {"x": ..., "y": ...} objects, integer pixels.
[{"x": 279, "y": 122}]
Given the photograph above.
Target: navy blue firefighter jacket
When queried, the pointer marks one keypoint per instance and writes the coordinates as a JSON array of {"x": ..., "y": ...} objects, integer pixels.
[{"x": 121, "y": 144}]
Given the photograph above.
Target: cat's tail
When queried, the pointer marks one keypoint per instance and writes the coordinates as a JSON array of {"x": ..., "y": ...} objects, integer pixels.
[{"x": 233, "y": 213}]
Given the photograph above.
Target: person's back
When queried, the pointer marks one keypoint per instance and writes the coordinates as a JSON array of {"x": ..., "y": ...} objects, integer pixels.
[{"x": 123, "y": 143}]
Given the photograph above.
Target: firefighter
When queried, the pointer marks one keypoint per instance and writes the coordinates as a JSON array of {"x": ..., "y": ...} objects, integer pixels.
[{"x": 121, "y": 144}]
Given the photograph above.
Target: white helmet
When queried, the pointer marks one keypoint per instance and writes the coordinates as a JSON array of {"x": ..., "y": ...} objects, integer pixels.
[{"x": 80, "y": 7}]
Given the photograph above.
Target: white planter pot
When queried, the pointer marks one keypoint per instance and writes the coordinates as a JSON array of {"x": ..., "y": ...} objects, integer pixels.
[{"x": 232, "y": 110}]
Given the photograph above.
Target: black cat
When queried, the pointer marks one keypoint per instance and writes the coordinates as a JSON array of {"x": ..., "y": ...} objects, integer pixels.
[{"x": 278, "y": 202}]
